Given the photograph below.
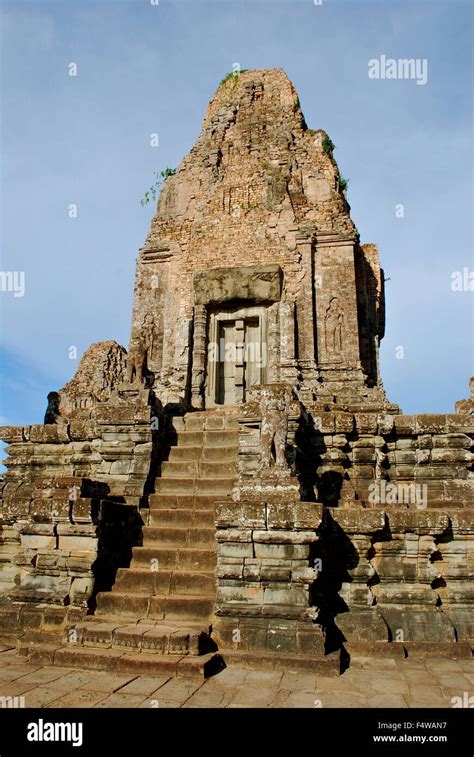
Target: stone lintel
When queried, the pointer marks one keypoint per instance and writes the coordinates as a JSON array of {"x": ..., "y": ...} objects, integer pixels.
[{"x": 261, "y": 282}]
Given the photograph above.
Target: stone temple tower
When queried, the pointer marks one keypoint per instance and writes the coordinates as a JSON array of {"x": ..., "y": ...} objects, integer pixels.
[
  {"x": 252, "y": 251},
  {"x": 236, "y": 488}
]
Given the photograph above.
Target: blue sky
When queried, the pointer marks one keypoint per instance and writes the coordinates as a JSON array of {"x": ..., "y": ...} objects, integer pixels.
[{"x": 144, "y": 68}]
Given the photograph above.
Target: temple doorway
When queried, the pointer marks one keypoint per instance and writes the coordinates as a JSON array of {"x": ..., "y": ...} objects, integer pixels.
[{"x": 236, "y": 354}]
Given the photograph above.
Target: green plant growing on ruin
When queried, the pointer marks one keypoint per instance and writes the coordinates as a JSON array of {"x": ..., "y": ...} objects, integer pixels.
[
  {"x": 296, "y": 105},
  {"x": 227, "y": 77},
  {"x": 343, "y": 183},
  {"x": 160, "y": 178},
  {"x": 232, "y": 76},
  {"x": 328, "y": 146}
]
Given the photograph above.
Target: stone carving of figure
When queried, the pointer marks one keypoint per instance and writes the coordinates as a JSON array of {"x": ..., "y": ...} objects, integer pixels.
[
  {"x": 169, "y": 199},
  {"x": 140, "y": 351},
  {"x": 198, "y": 383},
  {"x": 52, "y": 411},
  {"x": 275, "y": 410},
  {"x": 467, "y": 406},
  {"x": 334, "y": 322}
]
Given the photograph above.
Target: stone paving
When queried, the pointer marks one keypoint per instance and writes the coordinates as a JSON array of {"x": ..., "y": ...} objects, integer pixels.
[{"x": 430, "y": 682}]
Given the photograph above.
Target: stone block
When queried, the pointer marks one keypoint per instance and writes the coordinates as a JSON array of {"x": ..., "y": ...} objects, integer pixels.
[
  {"x": 12, "y": 434},
  {"x": 460, "y": 423},
  {"x": 358, "y": 521},
  {"x": 224, "y": 535},
  {"x": 38, "y": 540},
  {"x": 325, "y": 423},
  {"x": 294, "y": 515},
  {"x": 344, "y": 423},
  {"x": 290, "y": 595},
  {"x": 453, "y": 441},
  {"x": 431, "y": 424},
  {"x": 363, "y": 455},
  {"x": 80, "y": 538},
  {"x": 281, "y": 551},
  {"x": 52, "y": 433},
  {"x": 362, "y": 625},
  {"x": 404, "y": 424},
  {"x": 366, "y": 423},
  {"x": 234, "y": 549},
  {"x": 413, "y": 624},
  {"x": 433, "y": 522},
  {"x": 248, "y": 593},
  {"x": 458, "y": 456},
  {"x": 284, "y": 537}
]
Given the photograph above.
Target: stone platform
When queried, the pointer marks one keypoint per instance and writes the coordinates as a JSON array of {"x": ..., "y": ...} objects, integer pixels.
[{"x": 401, "y": 683}]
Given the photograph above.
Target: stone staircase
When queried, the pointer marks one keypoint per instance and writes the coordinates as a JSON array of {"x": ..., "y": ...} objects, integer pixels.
[{"x": 158, "y": 616}]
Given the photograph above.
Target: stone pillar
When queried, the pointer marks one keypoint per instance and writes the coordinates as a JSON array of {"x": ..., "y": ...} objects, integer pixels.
[
  {"x": 287, "y": 342},
  {"x": 305, "y": 309},
  {"x": 271, "y": 346},
  {"x": 239, "y": 359},
  {"x": 199, "y": 356}
]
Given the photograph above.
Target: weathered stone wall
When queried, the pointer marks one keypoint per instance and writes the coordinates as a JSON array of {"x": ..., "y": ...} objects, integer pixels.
[
  {"x": 264, "y": 576},
  {"x": 364, "y": 576},
  {"x": 395, "y": 575},
  {"x": 387, "y": 556},
  {"x": 349, "y": 459},
  {"x": 58, "y": 478}
]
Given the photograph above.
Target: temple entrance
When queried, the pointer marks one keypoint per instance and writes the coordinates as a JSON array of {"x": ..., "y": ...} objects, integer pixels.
[{"x": 236, "y": 354}]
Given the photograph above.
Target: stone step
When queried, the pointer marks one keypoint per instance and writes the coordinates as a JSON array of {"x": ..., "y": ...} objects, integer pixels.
[
  {"x": 120, "y": 661},
  {"x": 123, "y": 605},
  {"x": 220, "y": 486},
  {"x": 181, "y": 607},
  {"x": 191, "y": 439},
  {"x": 221, "y": 439},
  {"x": 179, "y": 536},
  {"x": 165, "y": 558},
  {"x": 214, "y": 421},
  {"x": 208, "y": 439},
  {"x": 218, "y": 468},
  {"x": 180, "y": 468},
  {"x": 164, "y": 582},
  {"x": 183, "y": 517},
  {"x": 223, "y": 453},
  {"x": 329, "y": 665},
  {"x": 179, "y": 501},
  {"x": 199, "y": 468},
  {"x": 159, "y": 638},
  {"x": 171, "y": 607},
  {"x": 175, "y": 485},
  {"x": 189, "y": 453}
]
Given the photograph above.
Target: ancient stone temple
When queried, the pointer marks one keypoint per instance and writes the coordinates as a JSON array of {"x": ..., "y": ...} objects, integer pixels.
[{"x": 237, "y": 488}]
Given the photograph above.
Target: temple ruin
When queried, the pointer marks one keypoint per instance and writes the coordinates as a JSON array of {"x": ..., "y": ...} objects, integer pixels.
[{"x": 237, "y": 488}]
